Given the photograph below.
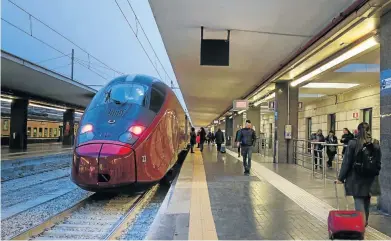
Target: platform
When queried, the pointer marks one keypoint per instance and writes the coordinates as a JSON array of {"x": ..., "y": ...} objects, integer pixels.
[
  {"x": 34, "y": 150},
  {"x": 212, "y": 199}
]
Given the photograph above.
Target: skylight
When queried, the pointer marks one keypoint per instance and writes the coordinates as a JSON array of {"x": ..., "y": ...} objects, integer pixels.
[
  {"x": 359, "y": 68},
  {"x": 329, "y": 85}
]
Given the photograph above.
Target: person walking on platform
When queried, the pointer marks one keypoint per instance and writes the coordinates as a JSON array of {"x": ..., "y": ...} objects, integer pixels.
[
  {"x": 237, "y": 139},
  {"x": 247, "y": 138},
  {"x": 346, "y": 137},
  {"x": 193, "y": 137},
  {"x": 360, "y": 168},
  {"x": 219, "y": 136},
  {"x": 198, "y": 138},
  {"x": 318, "y": 149},
  {"x": 209, "y": 137},
  {"x": 202, "y": 138},
  {"x": 331, "y": 150}
]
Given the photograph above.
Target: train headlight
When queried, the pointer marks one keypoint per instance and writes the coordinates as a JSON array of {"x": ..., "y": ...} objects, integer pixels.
[
  {"x": 137, "y": 130},
  {"x": 86, "y": 128}
]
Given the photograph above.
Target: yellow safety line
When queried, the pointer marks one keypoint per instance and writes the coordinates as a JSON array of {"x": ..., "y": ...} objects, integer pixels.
[{"x": 201, "y": 226}]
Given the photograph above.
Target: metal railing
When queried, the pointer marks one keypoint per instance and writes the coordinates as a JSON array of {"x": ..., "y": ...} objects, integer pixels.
[{"x": 314, "y": 156}]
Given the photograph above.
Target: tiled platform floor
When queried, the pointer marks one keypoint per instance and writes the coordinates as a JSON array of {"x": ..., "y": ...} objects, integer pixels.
[{"x": 213, "y": 199}]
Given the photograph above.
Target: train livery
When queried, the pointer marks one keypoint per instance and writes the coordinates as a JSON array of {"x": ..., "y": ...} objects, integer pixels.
[{"x": 131, "y": 133}]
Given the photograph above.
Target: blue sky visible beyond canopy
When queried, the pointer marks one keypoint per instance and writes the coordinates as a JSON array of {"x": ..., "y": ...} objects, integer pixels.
[{"x": 97, "y": 26}]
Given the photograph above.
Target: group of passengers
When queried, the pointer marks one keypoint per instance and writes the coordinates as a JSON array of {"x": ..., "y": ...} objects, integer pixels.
[
  {"x": 200, "y": 138},
  {"x": 331, "y": 148},
  {"x": 360, "y": 166}
]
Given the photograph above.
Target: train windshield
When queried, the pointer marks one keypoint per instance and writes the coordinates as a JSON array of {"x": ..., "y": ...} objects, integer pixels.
[{"x": 121, "y": 94}]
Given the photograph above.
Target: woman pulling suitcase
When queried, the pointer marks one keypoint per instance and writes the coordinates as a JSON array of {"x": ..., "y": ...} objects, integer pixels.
[{"x": 360, "y": 167}]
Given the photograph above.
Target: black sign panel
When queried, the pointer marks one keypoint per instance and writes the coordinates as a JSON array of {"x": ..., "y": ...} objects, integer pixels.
[{"x": 214, "y": 52}]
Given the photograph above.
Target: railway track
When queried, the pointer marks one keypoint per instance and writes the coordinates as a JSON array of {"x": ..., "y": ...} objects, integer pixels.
[{"x": 92, "y": 218}]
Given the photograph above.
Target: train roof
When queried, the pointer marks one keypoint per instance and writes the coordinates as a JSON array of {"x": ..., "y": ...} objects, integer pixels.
[{"x": 137, "y": 78}]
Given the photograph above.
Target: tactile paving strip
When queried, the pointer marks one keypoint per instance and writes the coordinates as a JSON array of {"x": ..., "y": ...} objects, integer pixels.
[{"x": 305, "y": 200}]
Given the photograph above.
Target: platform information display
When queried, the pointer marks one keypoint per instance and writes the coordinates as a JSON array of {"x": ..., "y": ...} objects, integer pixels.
[{"x": 240, "y": 105}]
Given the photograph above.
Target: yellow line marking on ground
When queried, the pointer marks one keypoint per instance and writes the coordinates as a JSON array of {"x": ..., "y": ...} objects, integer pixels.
[{"x": 201, "y": 226}]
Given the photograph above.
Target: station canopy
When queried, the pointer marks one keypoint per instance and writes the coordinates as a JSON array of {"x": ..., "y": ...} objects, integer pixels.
[{"x": 262, "y": 35}]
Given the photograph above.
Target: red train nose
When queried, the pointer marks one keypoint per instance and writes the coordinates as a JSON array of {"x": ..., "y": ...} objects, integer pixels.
[{"x": 104, "y": 165}]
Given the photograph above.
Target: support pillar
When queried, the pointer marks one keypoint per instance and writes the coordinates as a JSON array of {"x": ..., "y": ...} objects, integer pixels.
[
  {"x": 286, "y": 113},
  {"x": 254, "y": 114},
  {"x": 68, "y": 127},
  {"x": 18, "y": 130},
  {"x": 238, "y": 121},
  {"x": 229, "y": 130},
  {"x": 385, "y": 112}
]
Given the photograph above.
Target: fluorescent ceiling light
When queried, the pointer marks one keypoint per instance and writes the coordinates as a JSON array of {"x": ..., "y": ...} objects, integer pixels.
[
  {"x": 46, "y": 107},
  {"x": 6, "y": 100},
  {"x": 310, "y": 95},
  {"x": 79, "y": 113},
  {"x": 265, "y": 99},
  {"x": 240, "y": 112},
  {"x": 231, "y": 116},
  {"x": 369, "y": 43},
  {"x": 329, "y": 85}
]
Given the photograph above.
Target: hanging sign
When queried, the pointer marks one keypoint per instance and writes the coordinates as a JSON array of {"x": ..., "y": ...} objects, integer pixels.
[
  {"x": 215, "y": 122},
  {"x": 240, "y": 105},
  {"x": 355, "y": 115}
]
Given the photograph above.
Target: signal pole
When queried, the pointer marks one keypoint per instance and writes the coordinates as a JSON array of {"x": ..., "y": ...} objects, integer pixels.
[{"x": 72, "y": 58}]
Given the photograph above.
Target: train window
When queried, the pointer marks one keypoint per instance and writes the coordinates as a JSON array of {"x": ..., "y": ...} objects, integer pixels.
[
  {"x": 157, "y": 100},
  {"x": 50, "y": 132},
  {"x": 40, "y": 132},
  {"x": 5, "y": 125},
  {"x": 35, "y": 132},
  {"x": 120, "y": 94},
  {"x": 28, "y": 131}
]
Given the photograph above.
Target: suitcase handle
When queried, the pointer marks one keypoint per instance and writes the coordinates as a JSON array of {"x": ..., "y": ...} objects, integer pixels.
[{"x": 336, "y": 195}]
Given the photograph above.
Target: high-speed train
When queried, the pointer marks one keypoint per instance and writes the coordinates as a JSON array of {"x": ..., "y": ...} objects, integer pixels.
[{"x": 131, "y": 133}]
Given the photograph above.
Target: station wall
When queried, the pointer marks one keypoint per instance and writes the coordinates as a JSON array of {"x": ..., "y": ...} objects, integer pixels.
[{"x": 345, "y": 106}]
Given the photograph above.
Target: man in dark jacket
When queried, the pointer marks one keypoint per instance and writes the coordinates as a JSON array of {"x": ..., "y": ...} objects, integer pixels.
[
  {"x": 356, "y": 184},
  {"x": 318, "y": 149},
  {"x": 237, "y": 139},
  {"x": 247, "y": 139},
  {"x": 193, "y": 137},
  {"x": 332, "y": 149},
  {"x": 219, "y": 138},
  {"x": 346, "y": 137}
]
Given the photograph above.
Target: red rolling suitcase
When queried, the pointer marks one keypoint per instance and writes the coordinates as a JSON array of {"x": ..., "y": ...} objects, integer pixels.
[{"x": 345, "y": 223}]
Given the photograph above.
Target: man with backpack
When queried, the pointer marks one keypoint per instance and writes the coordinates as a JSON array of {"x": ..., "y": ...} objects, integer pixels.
[
  {"x": 247, "y": 138},
  {"x": 361, "y": 165}
]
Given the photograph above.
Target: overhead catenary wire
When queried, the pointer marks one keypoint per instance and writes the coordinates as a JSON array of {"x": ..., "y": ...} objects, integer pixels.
[
  {"x": 66, "y": 38},
  {"x": 142, "y": 46},
  {"x": 49, "y": 45},
  {"x": 58, "y": 57}
]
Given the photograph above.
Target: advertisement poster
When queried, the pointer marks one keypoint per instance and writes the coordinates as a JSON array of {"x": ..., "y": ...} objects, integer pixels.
[{"x": 385, "y": 79}]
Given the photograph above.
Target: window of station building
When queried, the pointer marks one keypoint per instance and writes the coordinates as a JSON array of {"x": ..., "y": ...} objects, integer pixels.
[
  {"x": 50, "y": 132},
  {"x": 332, "y": 122},
  {"x": 35, "y": 132},
  {"x": 45, "y": 132},
  {"x": 55, "y": 132},
  {"x": 40, "y": 132},
  {"x": 367, "y": 116},
  {"x": 157, "y": 100},
  {"x": 28, "y": 131},
  {"x": 309, "y": 128}
]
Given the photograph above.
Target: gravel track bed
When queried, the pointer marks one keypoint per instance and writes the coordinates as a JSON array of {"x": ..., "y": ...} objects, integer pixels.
[
  {"x": 37, "y": 215},
  {"x": 95, "y": 220},
  {"x": 140, "y": 226},
  {"x": 24, "y": 171},
  {"x": 24, "y": 182},
  {"x": 31, "y": 192}
]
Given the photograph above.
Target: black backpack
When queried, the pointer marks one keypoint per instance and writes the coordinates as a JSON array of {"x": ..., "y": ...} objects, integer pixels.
[{"x": 366, "y": 163}]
